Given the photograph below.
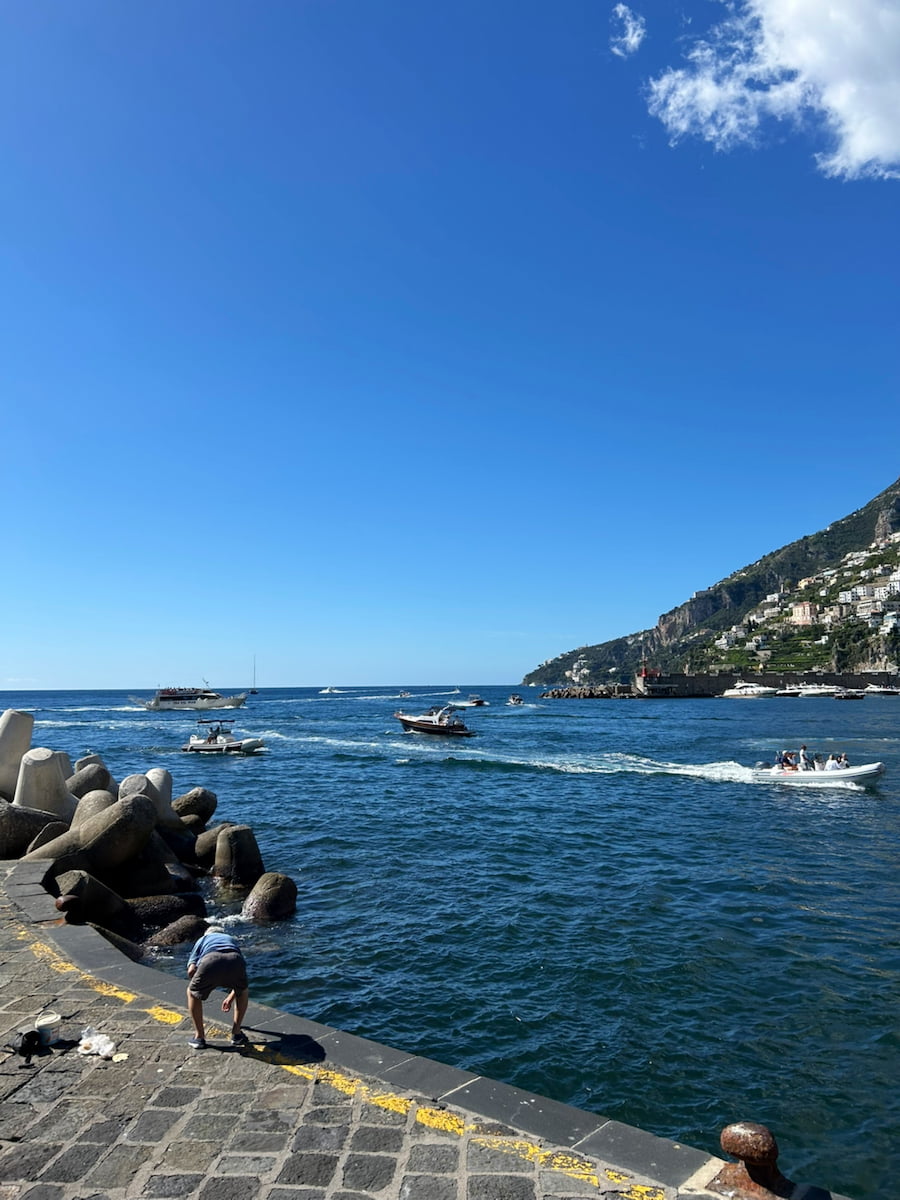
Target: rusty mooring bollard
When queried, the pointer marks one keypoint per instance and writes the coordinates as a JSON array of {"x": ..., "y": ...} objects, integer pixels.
[{"x": 757, "y": 1174}]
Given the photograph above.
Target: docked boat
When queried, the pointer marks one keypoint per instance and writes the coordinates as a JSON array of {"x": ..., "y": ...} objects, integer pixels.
[
  {"x": 749, "y": 690},
  {"x": 438, "y": 720},
  {"x": 876, "y": 689},
  {"x": 849, "y": 694},
  {"x": 196, "y": 698},
  {"x": 215, "y": 737},
  {"x": 818, "y": 689},
  {"x": 515, "y": 699},
  {"x": 865, "y": 773}
]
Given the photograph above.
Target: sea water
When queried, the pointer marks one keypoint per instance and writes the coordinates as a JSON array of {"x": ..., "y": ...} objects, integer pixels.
[{"x": 592, "y": 900}]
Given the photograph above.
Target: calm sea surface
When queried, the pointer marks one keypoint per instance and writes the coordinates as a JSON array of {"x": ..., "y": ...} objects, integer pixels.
[{"x": 590, "y": 899}]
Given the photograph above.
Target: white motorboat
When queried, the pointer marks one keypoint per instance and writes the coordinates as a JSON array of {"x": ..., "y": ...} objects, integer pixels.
[
  {"x": 474, "y": 701},
  {"x": 218, "y": 739},
  {"x": 875, "y": 689},
  {"x": 515, "y": 699},
  {"x": 751, "y": 691},
  {"x": 438, "y": 720},
  {"x": 201, "y": 699},
  {"x": 865, "y": 773},
  {"x": 818, "y": 689}
]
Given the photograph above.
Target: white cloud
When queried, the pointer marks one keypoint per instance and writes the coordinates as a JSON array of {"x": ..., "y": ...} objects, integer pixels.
[
  {"x": 836, "y": 61},
  {"x": 628, "y": 31}
]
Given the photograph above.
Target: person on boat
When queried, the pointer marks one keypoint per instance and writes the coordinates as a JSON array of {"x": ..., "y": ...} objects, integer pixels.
[
  {"x": 831, "y": 763},
  {"x": 804, "y": 762},
  {"x": 788, "y": 760},
  {"x": 843, "y": 760}
]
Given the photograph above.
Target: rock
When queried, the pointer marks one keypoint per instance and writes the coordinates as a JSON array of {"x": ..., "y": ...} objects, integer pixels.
[
  {"x": 90, "y": 804},
  {"x": 42, "y": 784},
  {"x": 137, "y": 785},
  {"x": 273, "y": 897},
  {"x": 15, "y": 738},
  {"x": 88, "y": 901},
  {"x": 198, "y": 802},
  {"x": 90, "y": 778},
  {"x": 185, "y": 929},
  {"x": 238, "y": 860},
  {"x": 155, "y": 912},
  {"x": 105, "y": 841},
  {"x": 54, "y": 830},
  {"x": 205, "y": 845},
  {"x": 19, "y": 827}
]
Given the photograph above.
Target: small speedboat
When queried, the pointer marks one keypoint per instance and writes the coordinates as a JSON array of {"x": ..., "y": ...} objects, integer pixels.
[
  {"x": 218, "y": 739},
  {"x": 515, "y": 699},
  {"x": 474, "y": 701},
  {"x": 864, "y": 773},
  {"x": 437, "y": 720}
]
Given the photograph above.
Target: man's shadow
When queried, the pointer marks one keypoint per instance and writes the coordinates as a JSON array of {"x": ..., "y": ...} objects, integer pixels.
[{"x": 281, "y": 1048}]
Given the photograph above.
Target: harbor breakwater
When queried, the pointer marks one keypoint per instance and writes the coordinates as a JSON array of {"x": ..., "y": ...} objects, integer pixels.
[
  {"x": 676, "y": 686},
  {"x": 126, "y": 857}
]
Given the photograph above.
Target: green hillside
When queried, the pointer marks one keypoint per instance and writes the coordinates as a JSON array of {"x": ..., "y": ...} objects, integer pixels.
[{"x": 741, "y": 610}]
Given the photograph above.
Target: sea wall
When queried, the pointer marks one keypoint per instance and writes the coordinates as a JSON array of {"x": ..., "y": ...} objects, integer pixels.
[{"x": 685, "y": 687}]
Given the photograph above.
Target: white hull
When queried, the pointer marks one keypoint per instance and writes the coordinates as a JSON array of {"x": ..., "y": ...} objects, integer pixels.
[
  {"x": 201, "y": 704},
  {"x": 224, "y": 745},
  {"x": 864, "y": 773}
]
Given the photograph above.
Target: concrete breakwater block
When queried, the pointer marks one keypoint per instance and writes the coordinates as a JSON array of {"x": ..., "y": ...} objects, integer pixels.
[
  {"x": 238, "y": 860},
  {"x": 19, "y": 827},
  {"x": 42, "y": 784},
  {"x": 92, "y": 777},
  {"x": 105, "y": 841},
  {"x": 15, "y": 739},
  {"x": 272, "y": 898}
]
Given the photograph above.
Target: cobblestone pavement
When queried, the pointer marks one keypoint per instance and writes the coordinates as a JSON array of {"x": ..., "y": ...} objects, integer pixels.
[{"x": 303, "y": 1112}]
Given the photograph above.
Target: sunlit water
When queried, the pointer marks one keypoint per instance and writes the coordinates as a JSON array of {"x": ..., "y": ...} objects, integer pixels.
[{"x": 591, "y": 899}]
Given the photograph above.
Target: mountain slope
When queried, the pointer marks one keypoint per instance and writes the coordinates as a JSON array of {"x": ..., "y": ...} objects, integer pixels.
[{"x": 681, "y": 638}]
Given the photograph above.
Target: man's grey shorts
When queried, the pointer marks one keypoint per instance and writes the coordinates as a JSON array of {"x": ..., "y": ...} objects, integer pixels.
[{"x": 219, "y": 969}]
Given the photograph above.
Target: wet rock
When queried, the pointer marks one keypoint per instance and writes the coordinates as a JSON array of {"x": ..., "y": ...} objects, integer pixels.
[
  {"x": 272, "y": 898},
  {"x": 238, "y": 860}
]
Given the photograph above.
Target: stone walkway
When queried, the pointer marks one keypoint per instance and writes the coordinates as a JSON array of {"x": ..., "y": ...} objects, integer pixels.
[{"x": 304, "y": 1112}]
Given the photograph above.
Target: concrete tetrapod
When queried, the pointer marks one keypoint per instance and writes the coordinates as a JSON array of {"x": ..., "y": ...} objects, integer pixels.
[{"x": 15, "y": 738}]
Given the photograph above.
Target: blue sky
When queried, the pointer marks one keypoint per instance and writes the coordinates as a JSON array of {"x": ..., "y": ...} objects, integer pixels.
[{"x": 407, "y": 343}]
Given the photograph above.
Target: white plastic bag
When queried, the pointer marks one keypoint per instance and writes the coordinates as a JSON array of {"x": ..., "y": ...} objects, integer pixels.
[{"x": 93, "y": 1042}]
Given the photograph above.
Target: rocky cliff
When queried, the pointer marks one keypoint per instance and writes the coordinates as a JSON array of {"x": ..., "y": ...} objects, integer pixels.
[{"x": 682, "y": 634}]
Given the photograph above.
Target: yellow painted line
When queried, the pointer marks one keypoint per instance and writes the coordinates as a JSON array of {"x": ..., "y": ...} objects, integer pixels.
[{"x": 564, "y": 1162}]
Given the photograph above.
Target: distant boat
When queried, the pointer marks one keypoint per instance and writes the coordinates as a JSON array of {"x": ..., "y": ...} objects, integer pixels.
[
  {"x": 437, "y": 720},
  {"x": 218, "y": 739},
  {"x": 174, "y": 698},
  {"x": 474, "y": 701},
  {"x": 329, "y": 691},
  {"x": 750, "y": 691},
  {"x": 515, "y": 698}
]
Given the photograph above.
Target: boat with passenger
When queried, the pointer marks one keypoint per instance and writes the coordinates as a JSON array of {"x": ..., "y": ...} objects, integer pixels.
[
  {"x": 216, "y": 737},
  {"x": 863, "y": 774},
  {"x": 439, "y": 720},
  {"x": 751, "y": 691},
  {"x": 174, "y": 698},
  {"x": 474, "y": 701},
  {"x": 515, "y": 699}
]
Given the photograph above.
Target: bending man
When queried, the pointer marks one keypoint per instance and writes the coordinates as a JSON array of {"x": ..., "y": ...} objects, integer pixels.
[{"x": 216, "y": 962}]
